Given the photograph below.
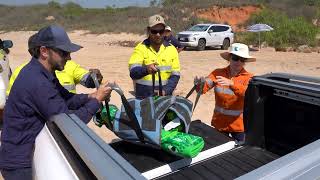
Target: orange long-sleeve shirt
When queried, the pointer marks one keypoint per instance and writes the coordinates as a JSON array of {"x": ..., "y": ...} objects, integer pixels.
[{"x": 228, "y": 112}]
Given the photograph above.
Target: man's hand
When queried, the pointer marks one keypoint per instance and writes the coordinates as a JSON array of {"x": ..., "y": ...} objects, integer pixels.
[
  {"x": 102, "y": 93},
  {"x": 98, "y": 73},
  {"x": 197, "y": 80},
  {"x": 151, "y": 68},
  {"x": 224, "y": 81},
  {"x": 157, "y": 92}
]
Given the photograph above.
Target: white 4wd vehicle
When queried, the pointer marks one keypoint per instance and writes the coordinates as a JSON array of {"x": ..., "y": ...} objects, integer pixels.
[{"x": 203, "y": 35}]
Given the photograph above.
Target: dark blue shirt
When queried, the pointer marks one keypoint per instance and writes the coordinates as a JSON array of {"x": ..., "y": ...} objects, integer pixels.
[
  {"x": 35, "y": 96},
  {"x": 174, "y": 41}
]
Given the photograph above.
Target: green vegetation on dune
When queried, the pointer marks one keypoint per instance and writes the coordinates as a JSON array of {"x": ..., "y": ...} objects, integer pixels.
[
  {"x": 287, "y": 31},
  {"x": 292, "y": 25}
]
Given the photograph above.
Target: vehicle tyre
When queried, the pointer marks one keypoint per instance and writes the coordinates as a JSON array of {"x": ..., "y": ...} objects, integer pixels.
[
  {"x": 201, "y": 44},
  {"x": 225, "y": 44}
]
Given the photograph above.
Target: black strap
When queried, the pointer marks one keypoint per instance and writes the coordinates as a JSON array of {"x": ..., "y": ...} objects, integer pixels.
[
  {"x": 198, "y": 94},
  {"x": 97, "y": 84},
  {"x": 160, "y": 83},
  {"x": 191, "y": 91},
  {"x": 133, "y": 121}
]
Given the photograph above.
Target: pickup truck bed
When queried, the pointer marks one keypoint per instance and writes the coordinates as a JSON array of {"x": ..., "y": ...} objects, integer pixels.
[
  {"x": 231, "y": 163},
  {"x": 138, "y": 155},
  {"x": 228, "y": 165}
]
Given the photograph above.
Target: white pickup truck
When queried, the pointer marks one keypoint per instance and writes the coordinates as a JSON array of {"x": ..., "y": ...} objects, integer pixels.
[
  {"x": 204, "y": 35},
  {"x": 281, "y": 118}
]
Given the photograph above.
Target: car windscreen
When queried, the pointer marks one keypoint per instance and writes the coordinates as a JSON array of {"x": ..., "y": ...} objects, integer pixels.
[{"x": 199, "y": 28}]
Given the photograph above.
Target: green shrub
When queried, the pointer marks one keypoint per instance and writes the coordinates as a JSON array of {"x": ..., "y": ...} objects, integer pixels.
[{"x": 287, "y": 31}]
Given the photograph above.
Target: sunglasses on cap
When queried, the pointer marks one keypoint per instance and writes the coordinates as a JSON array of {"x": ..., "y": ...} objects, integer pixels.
[
  {"x": 153, "y": 31},
  {"x": 237, "y": 58},
  {"x": 62, "y": 53}
]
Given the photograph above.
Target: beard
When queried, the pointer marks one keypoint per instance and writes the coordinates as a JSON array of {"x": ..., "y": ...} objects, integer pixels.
[
  {"x": 156, "y": 41},
  {"x": 56, "y": 64}
]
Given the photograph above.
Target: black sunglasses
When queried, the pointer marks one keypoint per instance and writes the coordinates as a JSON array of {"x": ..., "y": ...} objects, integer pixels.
[
  {"x": 62, "y": 53},
  {"x": 237, "y": 58},
  {"x": 153, "y": 31}
]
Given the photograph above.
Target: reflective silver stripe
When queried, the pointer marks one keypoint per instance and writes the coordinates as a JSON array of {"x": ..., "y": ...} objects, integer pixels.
[
  {"x": 209, "y": 82},
  {"x": 149, "y": 83},
  {"x": 223, "y": 90},
  {"x": 177, "y": 73},
  {"x": 84, "y": 79},
  {"x": 227, "y": 111},
  {"x": 135, "y": 65},
  {"x": 164, "y": 68},
  {"x": 69, "y": 87}
]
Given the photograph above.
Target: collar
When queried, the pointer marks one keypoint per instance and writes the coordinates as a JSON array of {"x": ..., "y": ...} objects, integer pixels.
[
  {"x": 35, "y": 62},
  {"x": 242, "y": 71},
  {"x": 148, "y": 43}
]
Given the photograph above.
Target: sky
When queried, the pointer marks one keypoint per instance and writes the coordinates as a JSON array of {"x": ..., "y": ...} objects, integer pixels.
[{"x": 83, "y": 3}]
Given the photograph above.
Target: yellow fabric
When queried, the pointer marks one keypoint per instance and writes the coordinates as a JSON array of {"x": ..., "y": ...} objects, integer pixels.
[
  {"x": 69, "y": 77},
  {"x": 2, "y": 54},
  {"x": 167, "y": 56}
]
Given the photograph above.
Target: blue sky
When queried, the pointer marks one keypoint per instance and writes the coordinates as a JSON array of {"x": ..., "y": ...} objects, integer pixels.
[{"x": 83, "y": 3}]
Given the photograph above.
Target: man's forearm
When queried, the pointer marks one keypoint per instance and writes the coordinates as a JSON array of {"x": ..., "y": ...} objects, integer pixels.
[
  {"x": 172, "y": 84},
  {"x": 138, "y": 72}
]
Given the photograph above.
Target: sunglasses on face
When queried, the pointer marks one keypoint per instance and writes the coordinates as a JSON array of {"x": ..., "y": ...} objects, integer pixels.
[
  {"x": 153, "y": 31},
  {"x": 237, "y": 58},
  {"x": 60, "y": 52}
]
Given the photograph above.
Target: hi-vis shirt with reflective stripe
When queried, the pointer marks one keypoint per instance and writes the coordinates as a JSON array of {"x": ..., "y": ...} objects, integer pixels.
[
  {"x": 166, "y": 58},
  {"x": 229, "y": 100},
  {"x": 72, "y": 75}
]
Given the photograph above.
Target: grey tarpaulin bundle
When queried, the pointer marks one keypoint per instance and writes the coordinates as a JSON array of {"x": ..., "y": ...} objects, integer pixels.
[
  {"x": 140, "y": 121},
  {"x": 150, "y": 113}
]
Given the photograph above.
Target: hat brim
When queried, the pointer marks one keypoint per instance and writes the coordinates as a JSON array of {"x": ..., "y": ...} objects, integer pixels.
[
  {"x": 226, "y": 56},
  {"x": 69, "y": 47},
  {"x": 151, "y": 25}
]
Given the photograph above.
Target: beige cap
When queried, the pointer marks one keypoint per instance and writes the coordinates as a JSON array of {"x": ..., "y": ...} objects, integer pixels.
[
  {"x": 238, "y": 49},
  {"x": 167, "y": 28},
  {"x": 156, "y": 19}
]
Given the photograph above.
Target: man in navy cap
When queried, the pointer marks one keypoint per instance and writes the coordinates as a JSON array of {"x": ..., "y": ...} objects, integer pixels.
[{"x": 37, "y": 95}]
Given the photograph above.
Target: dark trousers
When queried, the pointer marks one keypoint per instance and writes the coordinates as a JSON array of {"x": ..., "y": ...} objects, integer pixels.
[
  {"x": 17, "y": 174},
  {"x": 239, "y": 136}
]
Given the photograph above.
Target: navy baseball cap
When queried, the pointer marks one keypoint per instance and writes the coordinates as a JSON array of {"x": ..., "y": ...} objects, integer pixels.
[{"x": 56, "y": 37}]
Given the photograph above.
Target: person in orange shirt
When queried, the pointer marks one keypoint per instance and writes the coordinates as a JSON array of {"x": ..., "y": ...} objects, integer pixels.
[{"x": 230, "y": 84}]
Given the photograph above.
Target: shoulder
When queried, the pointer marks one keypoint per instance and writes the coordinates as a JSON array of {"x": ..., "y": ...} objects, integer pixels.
[
  {"x": 18, "y": 69},
  {"x": 219, "y": 71},
  {"x": 143, "y": 45},
  {"x": 31, "y": 77},
  {"x": 246, "y": 74},
  {"x": 71, "y": 63},
  {"x": 170, "y": 47}
]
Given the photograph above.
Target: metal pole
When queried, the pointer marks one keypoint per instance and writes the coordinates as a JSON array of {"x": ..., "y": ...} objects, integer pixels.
[{"x": 259, "y": 42}]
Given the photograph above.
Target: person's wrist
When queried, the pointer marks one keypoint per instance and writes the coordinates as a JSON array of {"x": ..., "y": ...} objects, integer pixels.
[
  {"x": 92, "y": 95},
  {"x": 231, "y": 83}
]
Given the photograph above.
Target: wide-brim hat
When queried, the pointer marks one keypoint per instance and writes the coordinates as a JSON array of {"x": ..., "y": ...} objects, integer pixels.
[{"x": 238, "y": 49}]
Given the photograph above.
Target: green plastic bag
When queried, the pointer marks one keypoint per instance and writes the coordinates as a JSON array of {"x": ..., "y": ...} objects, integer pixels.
[
  {"x": 181, "y": 144},
  {"x": 102, "y": 116}
]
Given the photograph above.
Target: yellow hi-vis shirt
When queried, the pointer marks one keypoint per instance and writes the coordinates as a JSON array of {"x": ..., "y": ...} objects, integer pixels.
[
  {"x": 166, "y": 58},
  {"x": 72, "y": 75}
]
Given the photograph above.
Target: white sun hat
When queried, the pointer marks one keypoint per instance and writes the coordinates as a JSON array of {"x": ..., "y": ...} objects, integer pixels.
[
  {"x": 238, "y": 49},
  {"x": 168, "y": 28}
]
